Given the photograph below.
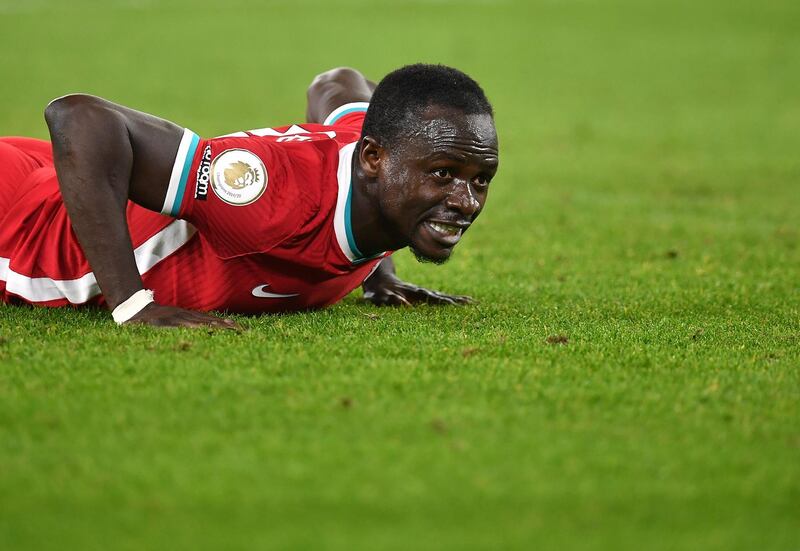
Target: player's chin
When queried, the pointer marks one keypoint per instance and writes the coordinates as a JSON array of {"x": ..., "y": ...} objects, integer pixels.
[
  {"x": 426, "y": 249},
  {"x": 426, "y": 256}
]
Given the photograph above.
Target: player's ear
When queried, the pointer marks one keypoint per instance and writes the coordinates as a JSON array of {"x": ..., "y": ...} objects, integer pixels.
[{"x": 370, "y": 155}]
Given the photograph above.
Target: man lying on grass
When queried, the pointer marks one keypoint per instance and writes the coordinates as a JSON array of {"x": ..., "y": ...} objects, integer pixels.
[{"x": 124, "y": 205}]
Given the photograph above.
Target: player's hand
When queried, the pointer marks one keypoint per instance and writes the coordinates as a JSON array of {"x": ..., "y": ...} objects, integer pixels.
[
  {"x": 391, "y": 291},
  {"x": 156, "y": 315}
]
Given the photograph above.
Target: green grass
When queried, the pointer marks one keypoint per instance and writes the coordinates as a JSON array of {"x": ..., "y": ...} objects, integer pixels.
[{"x": 647, "y": 209}]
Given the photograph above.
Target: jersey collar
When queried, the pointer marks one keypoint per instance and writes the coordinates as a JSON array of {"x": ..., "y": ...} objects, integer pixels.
[{"x": 342, "y": 218}]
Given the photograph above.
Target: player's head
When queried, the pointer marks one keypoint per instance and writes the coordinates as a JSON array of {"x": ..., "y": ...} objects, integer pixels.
[{"x": 429, "y": 143}]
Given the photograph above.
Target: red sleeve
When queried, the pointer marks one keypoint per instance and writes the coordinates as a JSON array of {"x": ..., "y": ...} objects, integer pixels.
[
  {"x": 247, "y": 194},
  {"x": 349, "y": 115}
]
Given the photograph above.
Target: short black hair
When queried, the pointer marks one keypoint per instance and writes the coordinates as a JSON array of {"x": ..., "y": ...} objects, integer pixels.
[{"x": 411, "y": 89}]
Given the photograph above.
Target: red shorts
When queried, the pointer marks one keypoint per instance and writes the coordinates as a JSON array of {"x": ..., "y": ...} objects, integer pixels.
[
  {"x": 41, "y": 261},
  {"x": 19, "y": 158}
]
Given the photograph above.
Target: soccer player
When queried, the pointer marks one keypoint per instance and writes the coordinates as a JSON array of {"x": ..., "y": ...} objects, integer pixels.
[{"x": 134, "y": 212}]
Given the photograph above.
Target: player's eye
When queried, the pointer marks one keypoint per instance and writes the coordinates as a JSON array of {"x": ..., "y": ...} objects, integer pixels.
[
  {"x": 443, "y": 173},
  {"x": 482, "y": 180}
]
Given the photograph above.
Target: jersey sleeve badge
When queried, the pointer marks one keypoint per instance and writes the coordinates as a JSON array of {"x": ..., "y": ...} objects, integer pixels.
[{"x": 238, "y": 177}]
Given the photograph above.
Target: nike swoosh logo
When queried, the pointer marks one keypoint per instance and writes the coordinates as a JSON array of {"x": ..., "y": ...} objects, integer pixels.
[{"x": 261, "y": 293}]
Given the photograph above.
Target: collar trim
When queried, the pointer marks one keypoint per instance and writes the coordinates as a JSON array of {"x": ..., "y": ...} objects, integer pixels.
[{"x": 342, "y": 217}]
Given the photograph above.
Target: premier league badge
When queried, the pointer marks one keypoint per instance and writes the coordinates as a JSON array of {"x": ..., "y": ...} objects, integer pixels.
[{"x": 238, "y": 177}]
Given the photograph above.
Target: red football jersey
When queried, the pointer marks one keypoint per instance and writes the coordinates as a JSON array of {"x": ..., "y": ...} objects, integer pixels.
[{"x": 263, "y": 224}]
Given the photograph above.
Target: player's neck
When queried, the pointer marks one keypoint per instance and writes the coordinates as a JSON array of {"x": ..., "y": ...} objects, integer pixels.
[{"x": 370, "y": 231}]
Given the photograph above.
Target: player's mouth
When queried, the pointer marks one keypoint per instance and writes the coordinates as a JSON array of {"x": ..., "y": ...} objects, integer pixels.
[{"x": 445, "y": 233}]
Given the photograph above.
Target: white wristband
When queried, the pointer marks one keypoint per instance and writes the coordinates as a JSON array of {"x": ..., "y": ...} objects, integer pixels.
[{"x": 135, "y": 303}]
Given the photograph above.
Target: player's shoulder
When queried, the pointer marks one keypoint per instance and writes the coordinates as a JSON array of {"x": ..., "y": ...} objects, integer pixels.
[
  {"x": 291, "y": 134},
  {"x": 294, "y": 169},
  {"x": 342, "y": 125}
]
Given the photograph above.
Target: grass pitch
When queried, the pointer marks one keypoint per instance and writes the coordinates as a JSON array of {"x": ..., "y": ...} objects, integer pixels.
[{"x": 629, "y": 379}]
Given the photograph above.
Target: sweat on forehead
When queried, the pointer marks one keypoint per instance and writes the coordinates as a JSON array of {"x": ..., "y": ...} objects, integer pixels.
[{"x": 437, "y": 125}]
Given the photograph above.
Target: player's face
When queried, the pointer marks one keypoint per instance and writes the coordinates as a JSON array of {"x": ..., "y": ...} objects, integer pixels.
[{"x": 434, "y": 184}]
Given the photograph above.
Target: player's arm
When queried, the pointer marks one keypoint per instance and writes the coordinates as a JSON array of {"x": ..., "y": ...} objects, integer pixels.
[
  {"x": 333, "y": 89},
  {"x": 384, "y": 288},
  {"x": 104, "y": 155}
]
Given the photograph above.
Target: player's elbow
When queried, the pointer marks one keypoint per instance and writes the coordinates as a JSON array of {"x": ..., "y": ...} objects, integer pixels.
[
  {"x": 339, "y": 76},
  {"x": 333, "y": 88},
  {"x": 61, "y": 111}
]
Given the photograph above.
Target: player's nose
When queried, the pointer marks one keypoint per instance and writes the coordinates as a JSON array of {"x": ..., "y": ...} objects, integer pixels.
[{"x": 462, "y": 199}]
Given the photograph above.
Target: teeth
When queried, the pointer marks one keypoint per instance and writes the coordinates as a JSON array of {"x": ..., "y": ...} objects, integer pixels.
[{"x": 446, "y": 228}]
